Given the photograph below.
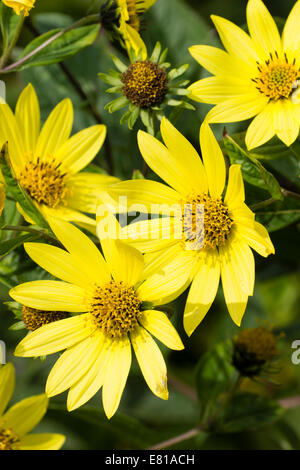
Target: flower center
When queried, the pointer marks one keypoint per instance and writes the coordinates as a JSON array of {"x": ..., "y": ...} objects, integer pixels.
[
  {"x": 34, "y": 318},
  {"x": 115, "y": 309},
  {"x": 277, "y": 78},
  {"x": 9, "y": 440},
  {"x": 205, "y": 222},
  {"x": 44, "y": 182},
  {"x": 145, "y": 84}
]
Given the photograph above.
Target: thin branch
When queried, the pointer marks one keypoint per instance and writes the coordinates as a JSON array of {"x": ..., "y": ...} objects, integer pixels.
[
  {"x": 40, "y": 233},
  {"x": 176, "y": 440}
]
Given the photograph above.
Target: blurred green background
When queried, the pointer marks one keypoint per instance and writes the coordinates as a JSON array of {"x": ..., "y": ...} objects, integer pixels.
[{"x": 178, "y": 25}]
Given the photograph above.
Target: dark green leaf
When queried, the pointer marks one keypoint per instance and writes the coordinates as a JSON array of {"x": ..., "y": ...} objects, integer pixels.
[{"x": 7, "y": 246}]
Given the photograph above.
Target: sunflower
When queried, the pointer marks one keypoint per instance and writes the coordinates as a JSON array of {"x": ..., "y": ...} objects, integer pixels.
[
  {"x": 20, "y": 5},
  {"x": 258, "y": 75},
  {"x": 20, "y": 419},
  {"x": 117, "y": 296},
  {"x": 203, "y": 230},
  {"x": 47, "y": 163}
]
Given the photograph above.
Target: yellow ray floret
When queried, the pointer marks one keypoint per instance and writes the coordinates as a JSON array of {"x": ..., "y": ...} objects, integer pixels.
[
  {"x": 116, "y": 295},
  {"x": 20, "y": 5},
  {"x": 18, "y": 421},
  {"x": 257, "y": 76},
  {"x": 206, "y": 230},
  {"x": 47, "y": 162}
]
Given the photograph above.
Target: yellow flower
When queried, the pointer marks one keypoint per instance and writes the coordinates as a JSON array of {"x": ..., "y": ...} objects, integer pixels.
[
  {"x": 130, "y": 10},
  {"x": 17, "y": 422},
  {"x": 20, "y": 5},
  {"x": 258, "y": 75},
  {"x": 47, "y": 162},
  {"x": 222, "y": 248},
  {"x": 117, "y": 295}
]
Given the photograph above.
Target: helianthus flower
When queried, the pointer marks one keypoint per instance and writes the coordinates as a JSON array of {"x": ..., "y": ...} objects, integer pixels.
[
  {"x": 47, "y": 162},
  {"x": 124, "y": 16},
  {"x": 20, "y": 5},
  {"x": 222, "y": 246},
  {"x": 117, "y": 296},
  {"x": 146, "y": 87},
  {"x": 17, "y": 422},
  {"x": 258, "y": 75}
]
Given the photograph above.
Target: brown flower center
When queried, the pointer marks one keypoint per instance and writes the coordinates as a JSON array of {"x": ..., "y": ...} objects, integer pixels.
[
  {"x": 34, "y": 318},
  {"x": 9, "y": 440}
]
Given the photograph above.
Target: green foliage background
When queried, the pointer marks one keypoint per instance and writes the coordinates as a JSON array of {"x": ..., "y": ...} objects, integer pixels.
[{"x": 143, "y": 419}]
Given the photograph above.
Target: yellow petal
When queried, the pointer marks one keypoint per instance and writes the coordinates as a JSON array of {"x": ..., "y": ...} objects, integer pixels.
[
  {"x": 202, "y": 291},
  {"x": 42, "y": 442},
  {"x": 257, "y": 237},
  {"x": 154, "y": 262},
  {"x": 213, "y": 161},
  {"x": 214, "y": 90},
  {"x": 235, "y": 193},
  {"x": 11, "y": 133},
  {"x": 26, "y": 414},
  {"x": 116, "y": 375},
  {"x": 238, "y": 109},
  {"x": 286, "y": 126},
  {"x": 59, "y": 263},
  {"x": 291, "y": 32},
  {"x": 262, "y": 27},
  {"x": 7, "y": 385},
  {"x": 89, "y": 384},
  {"x": 151, "y": 362},
  {"x": 51, "y": 295},
  {"x": 77, "y": 152},
  {"x": 82, "y": 249},
  {"x": 235, "y": 281},
  {"x": 68, "y": 214},
  {"x": 186, "y": 157},
  {"x": 164, "y": 163},
  {"x": 55, "y": 336},
  {"x": 170, "y": 281},
  {"x": 73, "y": 364},
  {"x": 143, "y": 196},
  {"x": 158, "y": 324},
  {"x": 237, "y": 42},
  {"x": 56, "y": 130},
  {"x": 261, "y": 129},
  {"x": 28, "y": 117}
]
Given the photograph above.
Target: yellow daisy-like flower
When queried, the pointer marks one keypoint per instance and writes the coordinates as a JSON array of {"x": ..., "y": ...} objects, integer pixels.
[
  {"x": 20, "y": 5},
  {"x": 117, "y": 295},
  {"x": 258, "y": 75},
  {"x": 17, "y": 422},
  {"x": 130, "y": 11},
  {"x": 48, "y": 162},
  {"x": 221, "y": 247}
]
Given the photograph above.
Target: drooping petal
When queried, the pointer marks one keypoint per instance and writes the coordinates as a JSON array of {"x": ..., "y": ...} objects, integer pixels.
[
  {"x": 73, "y": 364},
  {"x": 11, "y": 133},
  {"x": 151, "y": 362},
  {"x": 7, "y": 385},
  {"x": 78, "y": 151},
  {"x": 51, "y": 295},
  {"x": 28, "y": 117},
  {"x": 55, "y": 336},
  {"x": 202, "y": 291},
  {"x": 261, "y": 129},
  {"x": 42, "y": 442},
  {"x": 158, "y": 324},
  {"x": 238, "y": 109},
  {"x": 59, "y": 263},
  {"x": 262, "y": 27},
  {"x": 26, "y": 414},
  {"x": 56, "y": 130},
  {"x": 286, "y": 124},
  {"x": 257, "y": 237},
  {"x": 235, "y": 193},
  {"x": 116, "y": 375},
  {"x": 213, "y": 161}
]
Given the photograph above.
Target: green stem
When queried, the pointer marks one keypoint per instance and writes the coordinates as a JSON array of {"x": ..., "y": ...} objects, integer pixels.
[
  {"x": 7, "y": 52},
  {"x": 83, "y": 21},
  {"x": 19, "y": 228},
  {"x": 262, "y": 204}
]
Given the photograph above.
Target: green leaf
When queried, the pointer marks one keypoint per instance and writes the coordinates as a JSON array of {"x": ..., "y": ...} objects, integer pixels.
[
  {"x": 17, "y": 192},
  {"x": 214, "y": 375},
  {"x": 252, "y": 169},
  {"x": 8, "y": 24},
  {"x": 279, "y": 214},
  {"x": 60, "y": 49},
  {"x": 7, "y": 246},
  {"x": 248, "y": 411}
]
